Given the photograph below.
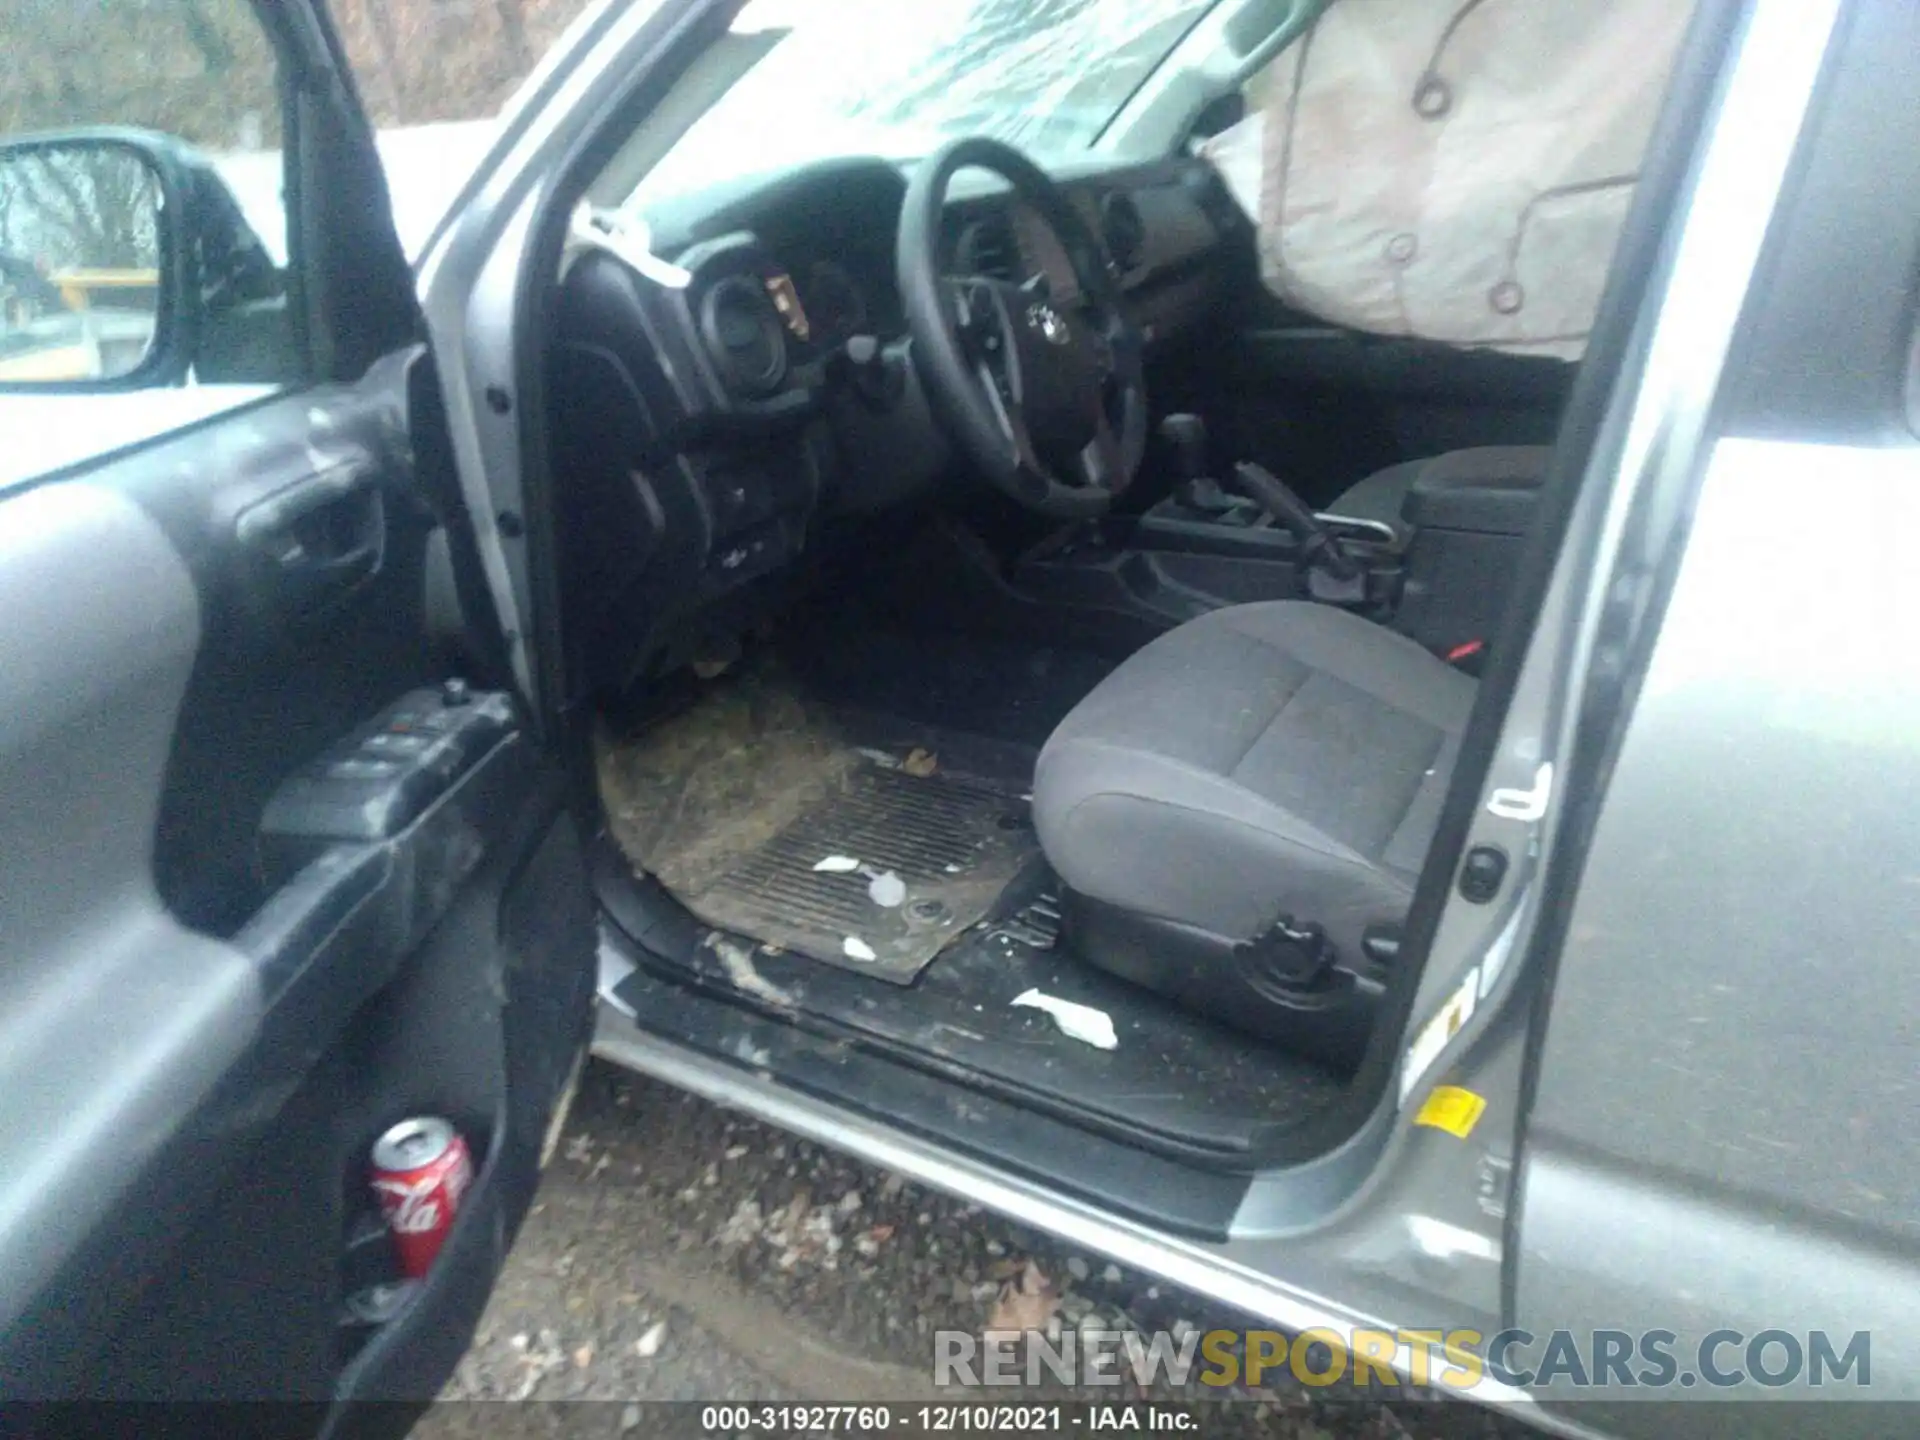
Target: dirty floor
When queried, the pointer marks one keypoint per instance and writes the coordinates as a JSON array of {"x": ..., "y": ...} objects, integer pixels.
[
  {"x": 680, "y": 1252},
  {"x": 764, "y": 814}
]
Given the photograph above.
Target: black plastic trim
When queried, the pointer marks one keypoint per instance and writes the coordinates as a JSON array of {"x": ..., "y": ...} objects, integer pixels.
[
  {"x": 1128, "y": 1181},
  {"x": 670, "y": 942}
]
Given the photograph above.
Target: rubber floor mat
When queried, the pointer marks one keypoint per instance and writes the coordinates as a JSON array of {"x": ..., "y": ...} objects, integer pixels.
[{"x": 952, "y": 844}]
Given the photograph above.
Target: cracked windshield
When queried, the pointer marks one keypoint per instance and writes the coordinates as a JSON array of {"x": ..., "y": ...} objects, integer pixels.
[
  {"x": 878, "y": 77},
  {"x": 834, "y": 77},
  {"x": 811, "y": 78}
]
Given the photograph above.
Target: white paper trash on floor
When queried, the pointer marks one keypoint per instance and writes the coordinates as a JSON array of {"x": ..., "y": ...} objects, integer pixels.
[
  {"x": 887, "y": 890},
  {"x": 1081, "y": 1022}
]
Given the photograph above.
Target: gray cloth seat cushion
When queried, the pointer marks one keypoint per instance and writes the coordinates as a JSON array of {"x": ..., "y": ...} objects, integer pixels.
[
  {"x": 1382, "y": 496},
  {"x": 1262, "y": 759}
]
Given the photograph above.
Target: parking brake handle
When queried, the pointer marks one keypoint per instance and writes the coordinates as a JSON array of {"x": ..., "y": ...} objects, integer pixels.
[{"x": 1319, "y": 547}]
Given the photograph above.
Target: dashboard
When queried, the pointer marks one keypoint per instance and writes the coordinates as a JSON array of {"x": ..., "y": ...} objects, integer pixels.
[
  {"x": 772, "y": 313},
  {"x": 818, "y": 245},
  {"x": 827, "y": 294},
  {"x": 787, "y": 269},
  {"x": 714, "y": 425}
]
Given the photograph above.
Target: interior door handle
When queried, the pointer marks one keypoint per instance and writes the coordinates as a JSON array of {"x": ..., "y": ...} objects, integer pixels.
[{"x": 321, "y": 536}]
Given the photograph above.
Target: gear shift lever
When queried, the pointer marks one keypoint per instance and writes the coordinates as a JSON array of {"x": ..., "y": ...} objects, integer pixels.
[
  {"x": 1187, "y": 434},
  {"x": 1197, "y": 491}
]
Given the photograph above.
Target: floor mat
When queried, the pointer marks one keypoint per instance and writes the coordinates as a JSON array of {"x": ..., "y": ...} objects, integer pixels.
[
  {"x": 734, "y": 804},
  {"x": 730, "y": 805},
  {"x": 934, "y": 853}
]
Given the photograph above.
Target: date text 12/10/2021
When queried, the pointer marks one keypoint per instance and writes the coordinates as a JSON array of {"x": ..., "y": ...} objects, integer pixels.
[{"x": 947, "y": 1419}]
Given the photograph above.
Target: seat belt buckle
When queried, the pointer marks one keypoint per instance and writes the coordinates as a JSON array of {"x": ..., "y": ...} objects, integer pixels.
[
  {"x": 1467, "y": 656},
  {"x": 1286, "y": 956}
]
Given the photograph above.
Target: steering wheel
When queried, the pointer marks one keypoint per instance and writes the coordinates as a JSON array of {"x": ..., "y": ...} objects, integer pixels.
[{"x": 1049, "y": 400}]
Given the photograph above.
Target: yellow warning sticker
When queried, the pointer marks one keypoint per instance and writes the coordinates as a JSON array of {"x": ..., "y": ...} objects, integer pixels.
[{"x": 1452, "y": 1109}]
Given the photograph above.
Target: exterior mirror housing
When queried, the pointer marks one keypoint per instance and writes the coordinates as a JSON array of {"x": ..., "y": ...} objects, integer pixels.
[{"x": 125, "y": 264}]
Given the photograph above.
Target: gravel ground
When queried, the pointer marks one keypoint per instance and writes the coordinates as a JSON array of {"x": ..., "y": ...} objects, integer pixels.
[{"x": 681, "y": 1252}]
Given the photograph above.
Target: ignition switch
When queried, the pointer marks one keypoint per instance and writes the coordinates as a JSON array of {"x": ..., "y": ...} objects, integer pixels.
[{"x": 1482, "y": 873}]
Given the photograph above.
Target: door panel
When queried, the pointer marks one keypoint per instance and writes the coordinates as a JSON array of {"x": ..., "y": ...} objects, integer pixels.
[
  {"x": 115, "y": 1020},
  {"x": 223, "y": 968},
  {"x": 1720, "y": 904},
  {"x": 1746, "y": 903},
  {"x": 271, "y": 877},
  {"x": 285, "y": 598}
]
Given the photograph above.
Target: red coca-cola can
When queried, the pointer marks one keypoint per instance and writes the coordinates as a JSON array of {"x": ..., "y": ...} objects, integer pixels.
[{"x": 421, "y": 1168}]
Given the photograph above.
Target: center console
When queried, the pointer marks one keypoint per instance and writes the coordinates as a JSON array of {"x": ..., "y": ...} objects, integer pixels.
[
  {"x": 1214, "y": 543},
  {"x": 1442, "y": 575},
  {"x": 1261, "y": 534},
  {"x": 1469, "y": 514}
]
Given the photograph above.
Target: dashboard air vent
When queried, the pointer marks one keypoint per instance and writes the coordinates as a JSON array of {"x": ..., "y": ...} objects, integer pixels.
[
  {"x": 987, "y": 247},
  {"x": 745, "y": 336}
]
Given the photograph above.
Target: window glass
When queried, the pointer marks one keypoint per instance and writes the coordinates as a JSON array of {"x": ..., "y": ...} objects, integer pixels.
[
  {"x": 199, "y": 70},
  {"x": 433, "y": 74},
  {"x": 882, "y": 77}
]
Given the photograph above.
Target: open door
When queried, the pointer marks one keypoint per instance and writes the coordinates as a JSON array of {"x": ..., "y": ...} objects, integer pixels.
[{"x": 280, "y": 867}]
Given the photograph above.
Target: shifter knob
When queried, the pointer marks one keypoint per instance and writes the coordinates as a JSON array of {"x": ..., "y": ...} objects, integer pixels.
[{"x": 1187, "y": 434}]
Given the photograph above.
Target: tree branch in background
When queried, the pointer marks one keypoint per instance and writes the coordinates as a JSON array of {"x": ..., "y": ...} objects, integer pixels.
[
  {"x": 206, "y": 37},
  {"x": 80, "y": 208},
  {"x": 513, "y": 29},
  {"x": 380, "y": 24}
]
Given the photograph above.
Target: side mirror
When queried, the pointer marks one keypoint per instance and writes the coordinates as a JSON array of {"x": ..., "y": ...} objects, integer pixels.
[
  {"x": 126, "y": 263},
  {"x": 86, "y": 257}
]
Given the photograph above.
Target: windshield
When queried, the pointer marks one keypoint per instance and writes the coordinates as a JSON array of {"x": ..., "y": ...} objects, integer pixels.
[{"x": 899, "y": 77}]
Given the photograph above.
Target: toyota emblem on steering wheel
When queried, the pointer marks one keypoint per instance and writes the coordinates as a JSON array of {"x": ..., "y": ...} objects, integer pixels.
[{"x": 1051, "y": 324}]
